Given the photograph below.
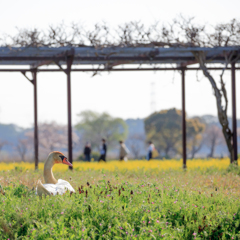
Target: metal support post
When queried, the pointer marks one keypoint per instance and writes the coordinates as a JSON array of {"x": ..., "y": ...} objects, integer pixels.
[
  {"x": 34, "y": 81},
  {"x": 234, "y": 117},
  {"x": 68, "y": 72},
  {"x": 183, "y": 121}
]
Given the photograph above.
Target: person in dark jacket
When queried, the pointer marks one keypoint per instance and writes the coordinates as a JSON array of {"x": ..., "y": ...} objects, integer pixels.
[
  {"x": 103, "y": 151},
  {"x": 87, "y": 152}
]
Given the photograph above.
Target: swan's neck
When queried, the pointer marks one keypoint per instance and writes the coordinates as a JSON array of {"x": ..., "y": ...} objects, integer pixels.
[{"x": 48, "y": 175}]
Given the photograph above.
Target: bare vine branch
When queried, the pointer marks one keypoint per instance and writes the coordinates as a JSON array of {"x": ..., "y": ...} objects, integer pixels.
[{"x": 181, "y": 32}]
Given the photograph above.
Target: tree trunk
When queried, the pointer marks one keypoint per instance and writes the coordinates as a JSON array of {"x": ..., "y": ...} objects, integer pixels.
[
  {"x": 22, "y": 157},
  {"x": 212, "y": 148},
  {"x": 222, "y": 111},
  {"x": 166, "y": 150},
  {"x": 193, "y": 152}
]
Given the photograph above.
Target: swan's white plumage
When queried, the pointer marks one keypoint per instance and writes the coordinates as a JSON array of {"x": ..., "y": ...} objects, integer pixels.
[
  {"x": 53, "y": 186},
  {"x": 60, "y": 187}
]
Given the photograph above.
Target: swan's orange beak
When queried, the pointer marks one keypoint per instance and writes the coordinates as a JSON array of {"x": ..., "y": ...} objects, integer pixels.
[{"x": 65, "y": 161}]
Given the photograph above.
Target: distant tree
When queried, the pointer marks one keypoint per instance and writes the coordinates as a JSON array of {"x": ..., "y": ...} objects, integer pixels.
[
  {"x": 164, "y": 128},
  {"x": 196, "y": 145},
  {"x": 195, "y": 129},
  {"x": 135, "y": 143},
  {"x": 22, "y": 148},
  {"x": 213, "y": 137},
  {"x": 2, "y": 144},
  {"x": 94, "y": 126},
  {"x": 52, "y": 137}
]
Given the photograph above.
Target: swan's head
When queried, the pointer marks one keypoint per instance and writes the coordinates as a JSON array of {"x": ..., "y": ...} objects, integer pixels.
[{"x": 58, "y": 157}]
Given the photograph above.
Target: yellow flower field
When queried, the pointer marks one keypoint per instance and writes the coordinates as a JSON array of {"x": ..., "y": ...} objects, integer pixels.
[{"x": 130, "y": 165}]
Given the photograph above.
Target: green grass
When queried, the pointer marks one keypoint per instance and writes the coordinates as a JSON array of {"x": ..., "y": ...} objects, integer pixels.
[{"x": 194, "y": 204}]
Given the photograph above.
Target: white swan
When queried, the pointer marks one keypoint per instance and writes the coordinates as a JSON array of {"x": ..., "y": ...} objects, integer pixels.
[{"x": 52, "y": 186}]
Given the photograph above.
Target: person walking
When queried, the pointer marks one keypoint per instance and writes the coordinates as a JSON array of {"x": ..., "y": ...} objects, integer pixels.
[
  {"x": 103, "y": 151},
  {"x": 150, "y": 150},
  {"x": 87, "y": 152},
  {"x": 123, "y": 151}
]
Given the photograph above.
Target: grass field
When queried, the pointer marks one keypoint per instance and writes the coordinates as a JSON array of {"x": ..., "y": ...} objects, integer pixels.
[{"x": 124, "y": 200}]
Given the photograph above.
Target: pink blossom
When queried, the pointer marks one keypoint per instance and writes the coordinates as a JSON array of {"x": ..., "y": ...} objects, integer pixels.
[
  {"x": 157, "y": 221},
  {"x": 194, "y": 234},
  {"x": 62, "y": 212}
]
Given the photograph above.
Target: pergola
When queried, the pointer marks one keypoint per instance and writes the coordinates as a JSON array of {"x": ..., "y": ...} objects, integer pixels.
[{"x": 115, "y": 59}]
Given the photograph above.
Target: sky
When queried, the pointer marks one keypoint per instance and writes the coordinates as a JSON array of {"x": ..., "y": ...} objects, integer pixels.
[{"x": 121, "y": 94}]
